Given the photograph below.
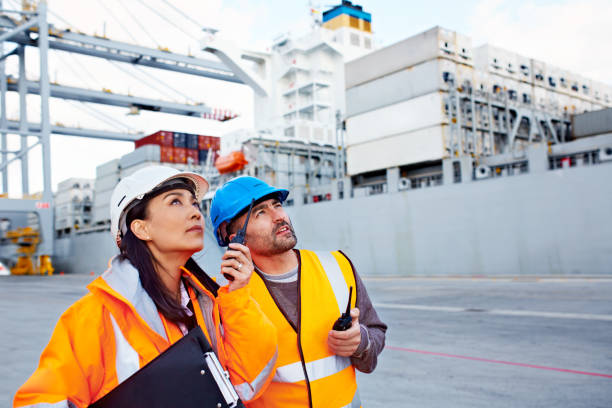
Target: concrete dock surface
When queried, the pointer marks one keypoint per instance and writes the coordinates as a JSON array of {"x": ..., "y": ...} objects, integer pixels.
[{"x": 452, "y": 342}]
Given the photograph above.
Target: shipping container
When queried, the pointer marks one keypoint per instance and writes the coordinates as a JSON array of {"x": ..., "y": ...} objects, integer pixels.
[
  {"x": 180, "y": 139},
  {"x": 161, "y": 138},
  {"x": 107, "y": 182},
  {"x": 110, "y": 167},
  {"x": 132, "y": 169},
  {"x": 399, "y": 86},
  {"x": 74, "y": 183},
  {"x": 180, "y": 155},
  {"x": 192, "y": 157},
  {"x": 429, "y": 45},
  {"x": 142, "y": 154},
  {"x": 406, "y": 148},
  {"x": 102, "y": 199},
  {"x": 191, "y": 141},
  {"x": 166, "y": 154},
  {"x": 592, "y": 123},
  {"x": 407, "y": 116}
]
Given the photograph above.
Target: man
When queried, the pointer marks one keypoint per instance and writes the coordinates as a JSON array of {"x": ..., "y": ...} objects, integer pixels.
[{"x": 303, "y": 293}]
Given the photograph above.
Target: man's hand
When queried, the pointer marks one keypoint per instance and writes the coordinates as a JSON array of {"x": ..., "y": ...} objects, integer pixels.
[
  {"x": 345, "y": 343},
  {"x": 237, "y": 262}
]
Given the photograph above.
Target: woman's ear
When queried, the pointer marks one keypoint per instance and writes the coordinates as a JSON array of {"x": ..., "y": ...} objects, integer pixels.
[{"x": 140, "y": 230}]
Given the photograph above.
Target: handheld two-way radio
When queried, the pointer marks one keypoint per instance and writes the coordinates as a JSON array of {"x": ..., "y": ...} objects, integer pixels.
[
  {"x": 240, "y": 236},
  {"x": 344, "y": 321}
]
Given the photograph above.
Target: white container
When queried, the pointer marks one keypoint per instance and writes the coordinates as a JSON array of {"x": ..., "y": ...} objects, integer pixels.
[
  {"x": 406, "y": 148},
  {"x": 107, "y": 182},
  {"x": 74, "y": 183},
  {"x": 524, "y": 72},
  {"x": 146, "y": 153},
  {"x": 538, "y": 69},
  {"x": 464, "y": 49},
  {"x": 399, "y": 86},
  {"x": 424, "y": 111},
  {"x": 431, "y": 44},
  {"x": 105, "y": 169},
  {"x": 102, "y": 198}
]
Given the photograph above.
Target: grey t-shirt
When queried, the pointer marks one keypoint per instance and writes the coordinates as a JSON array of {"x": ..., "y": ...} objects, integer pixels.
[{"x": 284, "y": 290}]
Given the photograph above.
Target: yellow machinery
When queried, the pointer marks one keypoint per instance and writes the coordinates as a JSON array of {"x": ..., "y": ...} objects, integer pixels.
[{"x": 27, "y": 239}]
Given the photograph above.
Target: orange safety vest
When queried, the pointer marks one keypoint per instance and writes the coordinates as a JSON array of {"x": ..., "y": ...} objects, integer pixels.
[
  {"x": 116, "y": 329},
  {"x": 308, "y": 373}
]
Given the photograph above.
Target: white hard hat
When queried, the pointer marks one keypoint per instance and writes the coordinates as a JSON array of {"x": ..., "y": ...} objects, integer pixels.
[{"x": 136, "y": 185}]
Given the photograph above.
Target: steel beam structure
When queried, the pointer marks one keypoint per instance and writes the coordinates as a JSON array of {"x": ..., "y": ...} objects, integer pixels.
[
  {"x": 109, "y": 98},
  {"x": 69, "y": 41},
  {"x": 33, "y": 128}
]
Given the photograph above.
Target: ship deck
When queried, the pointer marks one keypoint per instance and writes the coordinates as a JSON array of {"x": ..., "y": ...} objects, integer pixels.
[{"x": 460, "y": 342}]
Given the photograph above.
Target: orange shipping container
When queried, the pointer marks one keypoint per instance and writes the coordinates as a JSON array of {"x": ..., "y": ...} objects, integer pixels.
[
  {"x": 166, "y": 154},
  {"x": 180, "y": 155},
  {"x": 230, "y": 163}
]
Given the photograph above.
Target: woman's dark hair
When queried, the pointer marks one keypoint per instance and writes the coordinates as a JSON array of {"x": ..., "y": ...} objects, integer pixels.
[{"x": 137, "y": 252}]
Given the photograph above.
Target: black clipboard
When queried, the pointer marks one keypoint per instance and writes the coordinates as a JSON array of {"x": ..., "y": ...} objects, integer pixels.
[{"x": 186, "y": 375}]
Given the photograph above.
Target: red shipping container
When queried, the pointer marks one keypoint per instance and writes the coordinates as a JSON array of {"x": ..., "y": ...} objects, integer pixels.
[
  {"x": 215, "y": 143},
  {"x": 161, "y": 138},
  {"x": 202, "y": 142},
  {"x": 180, "y": 155},
  {"x": 193, "y": 155},
  {"x": 166, "y": 154}
]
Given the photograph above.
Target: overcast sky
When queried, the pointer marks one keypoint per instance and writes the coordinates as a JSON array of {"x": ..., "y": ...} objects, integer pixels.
[{"x": 573, "y": 35}]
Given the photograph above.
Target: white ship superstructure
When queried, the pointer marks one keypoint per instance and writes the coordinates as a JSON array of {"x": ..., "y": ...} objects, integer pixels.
[{"x": 299, "y": 84}]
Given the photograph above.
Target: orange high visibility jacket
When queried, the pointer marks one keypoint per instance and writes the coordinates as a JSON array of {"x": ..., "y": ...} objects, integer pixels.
[
  {"x": 114, "y": 330},
  {"x": 307, "y": 372}
]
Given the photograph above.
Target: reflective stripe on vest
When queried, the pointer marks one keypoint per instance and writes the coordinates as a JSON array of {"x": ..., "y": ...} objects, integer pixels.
[
  {"x": 336, "y": 279},
  {"x": 246, "y": 390},
  {"x": 316, "y": 370},
  {"x": 126, "y": 358}
]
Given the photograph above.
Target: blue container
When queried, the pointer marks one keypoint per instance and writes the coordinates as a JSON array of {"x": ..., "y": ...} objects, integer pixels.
[
  {"x": 180, "y": 139},
  {"x": 202, "y": 156},
  {"x": 192, "y": 141}
]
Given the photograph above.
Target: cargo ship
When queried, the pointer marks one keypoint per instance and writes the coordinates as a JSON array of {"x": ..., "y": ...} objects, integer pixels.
[{"x": 428, "y": 157}]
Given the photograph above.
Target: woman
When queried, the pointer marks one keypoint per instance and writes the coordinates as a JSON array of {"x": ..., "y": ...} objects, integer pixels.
[{"x": 150, "y": 296}]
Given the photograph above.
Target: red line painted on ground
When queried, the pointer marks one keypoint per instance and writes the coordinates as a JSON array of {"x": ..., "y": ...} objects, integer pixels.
[{"x": 486, "y": 360}]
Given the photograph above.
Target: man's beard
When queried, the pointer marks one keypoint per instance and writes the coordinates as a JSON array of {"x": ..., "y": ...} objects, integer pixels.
[{"x": 273, "y": 244}]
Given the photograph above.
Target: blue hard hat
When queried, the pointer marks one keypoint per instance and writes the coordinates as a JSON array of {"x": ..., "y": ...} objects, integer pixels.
[{"x": 235, "y": 196}]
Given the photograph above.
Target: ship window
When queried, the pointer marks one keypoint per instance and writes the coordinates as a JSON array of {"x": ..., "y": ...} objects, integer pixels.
[
  {"x": 585, "y": 89},
  {"x": 446, "y": 76},
  {"x": 539, "y": 77},
  {"x": 575, "y": 87},
  {"x": 526, "y": 99},
  {"x": 354, "y": 39},
  {"x": 551, "y": 81}
]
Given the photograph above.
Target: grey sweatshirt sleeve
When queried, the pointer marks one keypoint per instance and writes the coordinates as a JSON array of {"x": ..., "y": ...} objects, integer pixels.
[{"x": 372, "y": 332}]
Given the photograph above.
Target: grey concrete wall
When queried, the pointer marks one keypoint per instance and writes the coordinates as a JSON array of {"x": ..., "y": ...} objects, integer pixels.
[
  {"x": 91, "y": 252},
  {"x": 556, "y": 222}
]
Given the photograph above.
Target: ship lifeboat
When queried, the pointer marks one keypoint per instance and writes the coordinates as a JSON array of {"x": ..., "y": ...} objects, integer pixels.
[{"x": 230, "y": 163}]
